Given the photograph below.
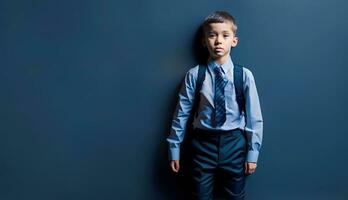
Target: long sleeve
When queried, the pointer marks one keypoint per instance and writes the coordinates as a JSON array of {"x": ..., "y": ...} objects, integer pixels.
[
  {"x": 254, "y": 121},
  {"x": 181, "y": 115}
]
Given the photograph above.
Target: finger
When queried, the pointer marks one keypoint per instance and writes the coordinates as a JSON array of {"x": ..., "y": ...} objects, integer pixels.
[
  {"x": 173, "y": 166},
  {"x": 246, "y": 168},
  {"x": 176, "y": 166},
  {"x": 250, "y": 169}
]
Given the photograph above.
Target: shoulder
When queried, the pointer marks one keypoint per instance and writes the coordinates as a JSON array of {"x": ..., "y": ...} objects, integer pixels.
[
  {"x": 193, "y": 71},
  {"x": 247, "y": 74},
  {"x": 191, "y": 75}
]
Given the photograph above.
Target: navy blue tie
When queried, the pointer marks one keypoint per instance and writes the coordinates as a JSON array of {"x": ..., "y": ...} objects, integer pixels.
[{"x": 219, "y": 115}]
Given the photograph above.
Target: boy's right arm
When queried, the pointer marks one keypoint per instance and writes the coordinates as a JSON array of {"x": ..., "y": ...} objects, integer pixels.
[{"x": 181, "y": 115}]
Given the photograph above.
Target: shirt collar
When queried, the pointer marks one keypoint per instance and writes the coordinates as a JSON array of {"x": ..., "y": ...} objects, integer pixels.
[{"x": 228, "y": 65}]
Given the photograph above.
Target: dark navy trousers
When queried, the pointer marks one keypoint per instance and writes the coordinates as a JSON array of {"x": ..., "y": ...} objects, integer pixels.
[{"x": 220, "y": 153}]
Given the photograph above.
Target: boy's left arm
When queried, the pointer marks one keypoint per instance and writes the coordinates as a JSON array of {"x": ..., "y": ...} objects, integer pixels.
[{"x": 254, "y": 121}]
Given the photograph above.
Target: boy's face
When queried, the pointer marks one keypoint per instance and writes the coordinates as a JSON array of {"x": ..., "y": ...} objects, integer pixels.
[{"x": 219, "y": 38}]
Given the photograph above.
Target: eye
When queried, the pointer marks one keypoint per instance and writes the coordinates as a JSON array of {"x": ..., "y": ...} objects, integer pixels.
[{"x": 226, "y": 35}]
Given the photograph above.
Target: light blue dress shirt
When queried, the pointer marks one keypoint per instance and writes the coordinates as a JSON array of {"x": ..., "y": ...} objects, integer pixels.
[{"x": 251, "y": 121}]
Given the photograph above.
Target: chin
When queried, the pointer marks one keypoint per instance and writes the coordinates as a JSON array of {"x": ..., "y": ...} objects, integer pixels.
[{"x": 220, "y": 55}]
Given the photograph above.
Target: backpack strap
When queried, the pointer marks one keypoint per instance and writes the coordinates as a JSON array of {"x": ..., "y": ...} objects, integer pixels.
[
  {"x": 238, "y": 84},
  {"x": 201, "y": 76}
]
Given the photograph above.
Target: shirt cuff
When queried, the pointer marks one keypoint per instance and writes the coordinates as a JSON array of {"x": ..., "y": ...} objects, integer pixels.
[
  {"x": 252, "y": 156},
  {"x": 174, "y": 153}
]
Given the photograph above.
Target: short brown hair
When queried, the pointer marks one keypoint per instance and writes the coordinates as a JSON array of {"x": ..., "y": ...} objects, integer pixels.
[{"x": 219, "y": 17}]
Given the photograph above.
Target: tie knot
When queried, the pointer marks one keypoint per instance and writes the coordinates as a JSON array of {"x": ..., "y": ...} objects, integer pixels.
[{"x": 218, "y": 70}]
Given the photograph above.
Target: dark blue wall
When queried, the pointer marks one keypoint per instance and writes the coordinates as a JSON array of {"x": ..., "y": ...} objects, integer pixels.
[{"x": 87, "y": 90}]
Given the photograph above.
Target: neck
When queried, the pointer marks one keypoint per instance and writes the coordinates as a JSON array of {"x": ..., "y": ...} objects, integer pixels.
[{"x": 220, "y": 60}]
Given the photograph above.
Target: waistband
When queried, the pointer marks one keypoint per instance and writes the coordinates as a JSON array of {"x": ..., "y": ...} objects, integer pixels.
[{"x": 218, "y": 132}]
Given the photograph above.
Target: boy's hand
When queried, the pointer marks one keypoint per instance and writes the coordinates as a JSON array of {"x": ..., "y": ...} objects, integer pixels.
[
  {"x": 250, "y": 167},
  {"x": 174, "y": 164}
]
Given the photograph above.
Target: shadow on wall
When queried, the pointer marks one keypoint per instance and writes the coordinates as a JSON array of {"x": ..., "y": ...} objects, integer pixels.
[
  {"x": 200, "y": 53},
  {"x": 171, "y": 185}
]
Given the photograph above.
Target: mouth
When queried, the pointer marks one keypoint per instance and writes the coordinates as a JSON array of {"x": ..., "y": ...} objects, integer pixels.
[{"x": 218, "y": 49}]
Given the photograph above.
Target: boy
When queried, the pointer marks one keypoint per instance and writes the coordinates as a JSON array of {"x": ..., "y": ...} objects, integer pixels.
[{"x": 227, "y": 136}]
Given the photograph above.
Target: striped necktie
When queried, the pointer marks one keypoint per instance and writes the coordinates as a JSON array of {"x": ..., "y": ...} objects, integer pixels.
[{"x": 219, "y": 115}]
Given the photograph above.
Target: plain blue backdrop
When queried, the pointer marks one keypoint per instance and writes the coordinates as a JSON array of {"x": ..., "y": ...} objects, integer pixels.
[{"x": 87, "y": 90}]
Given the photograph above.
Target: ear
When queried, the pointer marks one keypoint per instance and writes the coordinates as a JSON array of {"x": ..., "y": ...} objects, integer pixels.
[{"x": 234, "y": 41}]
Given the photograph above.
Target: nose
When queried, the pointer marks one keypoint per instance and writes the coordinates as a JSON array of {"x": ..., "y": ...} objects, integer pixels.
[{"x": 218, "y": 40}]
